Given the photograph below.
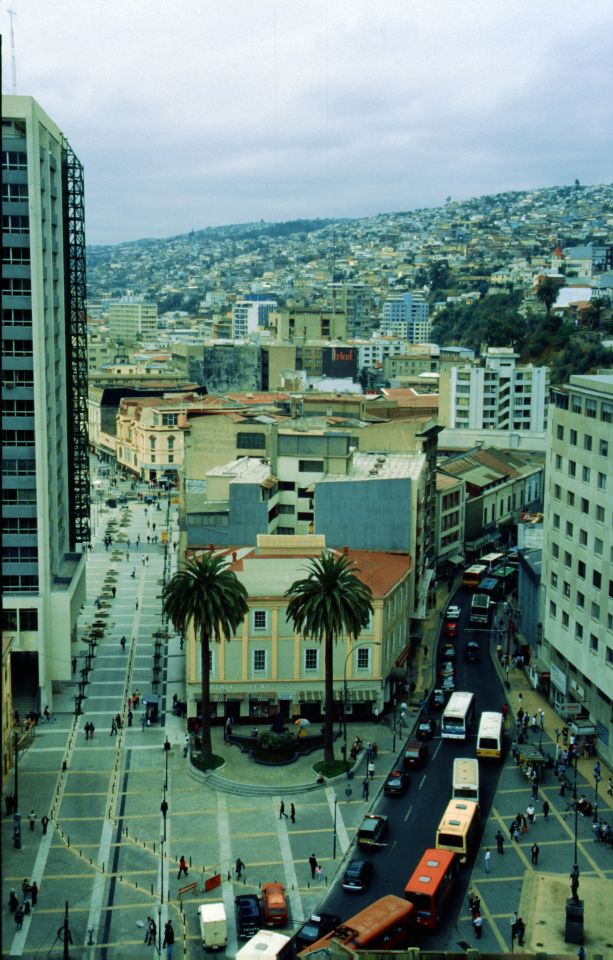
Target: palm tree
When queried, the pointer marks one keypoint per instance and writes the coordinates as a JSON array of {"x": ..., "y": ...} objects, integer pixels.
[
  {"x": 331, "y": 601},
  {"x": 210, "y": 598},
  {"x": 547, "y": 292}
]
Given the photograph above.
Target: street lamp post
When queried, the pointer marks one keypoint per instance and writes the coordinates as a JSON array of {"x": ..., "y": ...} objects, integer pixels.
[
  {"x": 596, "y": 782},
  {"x": 16, "y": 814},
  {"x": 367, "y": 643},
  {"x": 394, "y": 735},
  {"x": 334, "y": 831}
]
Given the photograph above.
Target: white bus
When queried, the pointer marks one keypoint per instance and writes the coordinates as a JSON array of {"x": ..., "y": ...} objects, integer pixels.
[
  {"x": 465, "y": 784},
  {"x": 489, "y": 737},
  {"x": 266, "y": 943},
  {"x": 458, "y": 716}
]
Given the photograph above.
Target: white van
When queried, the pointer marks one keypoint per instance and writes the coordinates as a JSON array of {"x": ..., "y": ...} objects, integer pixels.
[
  {"x": 213, "y": 925},
  {"x": 267, "y": 944},
  {"x": 465, "y": 779}
]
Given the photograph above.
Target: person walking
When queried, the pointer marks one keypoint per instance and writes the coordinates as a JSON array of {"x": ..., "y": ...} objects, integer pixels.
[
  {"x": 239, "y": 866},
  {"x": 136, "y": 603},
  {"x": 514, "y": 831},
  {"x": 113, "y": 592},
  {"x": 74, "y": 664},
  {"x": 371, "y": 769},
  {"x": 531, "y": 812},
  {"x": 474, "y": 904},
  {"x": 113, "y": 727},
  {"x": 182, "y": 867},
  {"x": 118, "y": 721},
  {"x": 130, "y": 717},
  {"x": 365, "y": 788},
  {"x": 150, "y": 932},
  {"x": 19, "y": 912},
  {"x": 542, "y": 718},
  {"x": 478, "y": 925},
  {"x": 534, "y": 723},
  {"x": 34, "y": 893},
  {"x": 488, "y": 861},
  {"x": 534, "y": 790},
  {"x": 122, "y": 643},
  {"x": 520, "y": 929},
  {"x": 13, "y": 901},
  {"x": 562, "y": 786},
  {"x": 169, "y": 939},
  {"x": 534, "y": 853},
  {"x": 292, "y": 813},
  {"x": 282, "y": 812},
  {"x": 44, "y": 822},
  {"x": 164, "y": 808},
  {"x": 499, "y": 842},
  {"x": 545, "y": 810},
  {"x": 313, "y": 865},
  {"x": 32, "y": 819}
]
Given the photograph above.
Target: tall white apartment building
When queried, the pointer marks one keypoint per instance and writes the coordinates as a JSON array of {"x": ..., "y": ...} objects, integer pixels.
[
  {"x": 578, "y": 554},
  {"x": 45, "y": 466},
  {"x": 406, "y": 315},
  {"x": 248, "y": 315},
  {"x": 132, "y": 320},
  {"x": 375, "y": 351},
  {"x": 355, "y": 300},
  {"x": 498, "y": 395}
]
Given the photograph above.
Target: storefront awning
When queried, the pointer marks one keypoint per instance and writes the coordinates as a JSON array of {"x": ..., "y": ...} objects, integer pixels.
[
  {"x": 310, "y": 696},
  {"x": 455, "y": 559}
]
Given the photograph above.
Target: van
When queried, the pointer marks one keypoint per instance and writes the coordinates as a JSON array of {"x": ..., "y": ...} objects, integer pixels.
[
  {"x": 465, "y": 783},
  {"x": 213, "y": 925}
]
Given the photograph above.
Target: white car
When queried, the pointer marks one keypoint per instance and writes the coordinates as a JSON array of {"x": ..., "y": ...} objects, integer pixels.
[{"x": 453, "y": 613}]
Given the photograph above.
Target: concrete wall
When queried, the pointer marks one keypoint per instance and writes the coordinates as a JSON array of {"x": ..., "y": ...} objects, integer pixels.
[
  {"x": 247, "y": 516},
  {"x": 365, "y": 514},
  {"x": 231, "y": 367}
]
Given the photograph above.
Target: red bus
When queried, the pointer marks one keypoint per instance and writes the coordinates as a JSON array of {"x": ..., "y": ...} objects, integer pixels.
[
  {"x": 384, "y": 925},
  {"x": 431, "y": 883}
]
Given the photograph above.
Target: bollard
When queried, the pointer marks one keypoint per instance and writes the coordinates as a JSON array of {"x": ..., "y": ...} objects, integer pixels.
[
  {"x": 67, "y": 841},
  {"x": 190, "y": 863},
  {"x": 90, "y": 941}
]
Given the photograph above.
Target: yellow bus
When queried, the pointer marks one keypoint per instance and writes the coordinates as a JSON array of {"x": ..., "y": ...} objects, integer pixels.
[
  {"x": 457, "y": 830},
  {"x": 465, "y": 783},
  {"x": 489, "y": 737}
]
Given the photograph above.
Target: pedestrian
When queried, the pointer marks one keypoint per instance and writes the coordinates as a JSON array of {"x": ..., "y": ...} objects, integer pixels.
[
  {"x": 122, "y": 643},
  {"x": 113, "y": 591},
  {"x": 74, "y": 664},
  {"x": 542, "y": 718},
  {"x": 32, "y": 819},
  {"x": 513, "y": 831},
  {"x": 182, "y": 867},
  {"x": 478, "y": 925},
  {"x": 597, "y": 770},
  {"x": 313, "y": 865},
  {"x": 151, "y": 932},
  {"x": 133, "y": 574},
  {"x": 130, "y": 717},
  {"x": 13, "y": 901},
  {"x": 19, "y": 918},
  {"x": 164, "y": 808},
  {"x": 545, "y": 810},
  {"x": 534, "y": 723},
  {"x": 581, "y": 953},
  {"x": 562, "y": 786},
  {"x": 520, "y": 928},
  {"x": 143, "y": 721},
  {"x": 319, "y": 872},
  {"x": 371, "y": 769},
  {"x": 118, "y": 721},
  {"x": 523, "y": 822},
  {"x": 46, "y": 713},
  {"x": 292, "y": 813},
  {"x": 282, "y": 812},
  {"x": 534, "y": 790},
  {"x": 474, "y": 904},
  {"x": 499, "y": 842},
  {"x": 34, "y": 892},
  {"x": 44, "y": 822},
  {"x": 239, "y": 866},
  {"x": 488, "y": 861},
  {"x": 227, "y": 730},
  {"x": 136, "y": 603},
  {"x": 365, "y": 788},
  {"x": 531, "y": 812},
  {"x": 534, "y": 853},
  {"x": 113, "y": 727},
  {"x": 169, "y": 939}
]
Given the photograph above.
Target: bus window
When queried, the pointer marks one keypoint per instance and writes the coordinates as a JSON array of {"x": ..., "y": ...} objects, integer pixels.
[
  {"x": 465, "y": 783},
  {"x": 430, "y": 884},
  {"x": 489, "y": 737},
  {"x": 458, "y": 716},
  {"x": 457, "y": 829}
]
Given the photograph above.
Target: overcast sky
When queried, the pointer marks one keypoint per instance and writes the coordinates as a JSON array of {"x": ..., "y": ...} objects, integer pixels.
[{"x": 191, "y": 113}]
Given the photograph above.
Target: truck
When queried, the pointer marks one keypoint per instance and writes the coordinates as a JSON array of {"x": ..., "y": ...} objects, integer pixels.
[
  {"x": 213, "y": 925},
  {"x": 480, "y": 608}
]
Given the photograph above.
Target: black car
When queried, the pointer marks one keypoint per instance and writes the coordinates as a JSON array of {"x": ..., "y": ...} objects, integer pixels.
[
  {"x": 415, "y": 754},
  {"x": 438, "y": 699},
  {"x": 358, "y": 875},
  {"x": 472, "y": 652},
  {"x": 318, "y": 925},
  {"x": 396, "y": 784},
  {"x": 248, "y": 915},
  {"x": 426, "y": 728},
  {"x": 372, "y": 830}
]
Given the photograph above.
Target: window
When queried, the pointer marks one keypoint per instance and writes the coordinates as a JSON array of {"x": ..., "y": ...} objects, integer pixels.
[
  {"x": 567, "y": 559},
  {"x": 595, "y": 612},
  {"x": 15, "y": 224},
  {"x": 18, "y": 255},
  {"x": 606, "y": 412},
  {"x": 287, "y": 485},
  {"x": 602, "y": 481},
  {"x": 583, "y": 538},
  {"x": 9, "y": 619},
  {"x": 15, "y": 192},
  {"x": 14, "y": 160},
  {"x": 585, "y": 505},
  {"x": 363, "y": 658},
  {"x": 591, "y": 409},
  {"x": 593, "y": 643},
  {"x": 565, "y": 620},
  {"x": 557, "y": 491},
  {"x": 570, "y": 498},
  {"x": 28, "y": 620},
  {"x": 581, "y": 569},
  {"x": 553, "y": 610},
  {"x": 587, "y": 441},
  {"x": 555, "y": 550},
  {"x": 599, "y": 514},
  {"x": 259, "y": 619},
  {"x": 569, "y": 528},
  {"x": 311, "y": 658},
  {"x": 287, "y": 508},
  {"x": 597, "y": 579},
  {"x": 572, "y": 468},
  {"x": 586, "y": 474},
  {"x": 311, "y": 466},
  {"x": 575, "y": 403},
  {"x": 19, "y": 525},
  {"x": 566, "y": 588},
  {"x": 578, "y": 631},
  {"x": 250, "y": 441},
  {"x": 559, "y": 432},
  {"x": 554, "y": 579},
  {"x": 259, "y": 661},
  {"x": 573, "y": 438},
  {"x": 598, "y": 546},
  {"x": 580, "y": 599},
  {"x": 558, "y": 462},
  {"x": 603, "y": 448},
  {"x": 609, "y": 656},
  {"x": 18, "y": 408},
  {"x": 170, "y": 419},
  {"x": 556, "y": 521},
  {"x": 17, "y": 348}
]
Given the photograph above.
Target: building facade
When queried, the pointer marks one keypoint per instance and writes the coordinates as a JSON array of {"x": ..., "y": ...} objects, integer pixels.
[
  {"x": 45, "y": 466},
  {"x": 132, "y": 320},
  {"x": 578, "y": 554},
  {"x": 406, "y": 315}
]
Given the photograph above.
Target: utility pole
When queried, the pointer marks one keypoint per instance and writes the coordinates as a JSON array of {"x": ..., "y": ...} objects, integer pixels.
[
  {"x": 64, "y": 934},
  {"x": 12, "y": 14}
]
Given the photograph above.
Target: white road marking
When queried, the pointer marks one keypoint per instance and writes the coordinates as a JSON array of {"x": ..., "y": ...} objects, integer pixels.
[{"x": 408, "y": 813}]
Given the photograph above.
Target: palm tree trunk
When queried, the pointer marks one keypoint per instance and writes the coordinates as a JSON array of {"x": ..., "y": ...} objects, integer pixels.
[
  {"x": 205, "y": 694},
  {"x": 328, "y": 699}
]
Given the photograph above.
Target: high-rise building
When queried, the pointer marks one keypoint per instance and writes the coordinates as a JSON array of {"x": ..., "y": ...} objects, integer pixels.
[
  {"x": 45, "y": 465},
  {"x": 132, "y": 320},
  {"x": 355, "y": 300},
  {"x": 578, "y": 554},
  {"x": 250, "y": 314},
  {"x": 406, "y": 315}
]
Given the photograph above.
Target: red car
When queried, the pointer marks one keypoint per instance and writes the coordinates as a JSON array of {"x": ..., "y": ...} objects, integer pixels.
[
  {"x": 274, "y": 906},
  {"x": 451, "y": 628}
]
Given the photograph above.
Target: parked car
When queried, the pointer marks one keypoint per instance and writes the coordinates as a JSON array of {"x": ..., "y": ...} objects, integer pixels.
[
  {"x": 248, "y": 915},
  {"x": 372, "y": 830},
  {"x": 448, "y": 651},
  {"x": 453, "y": 612},
  {"x": 472, "y": 651},
  {"x": 415, "y": 754},
  {"x": 316, "y": 927},
  {"x": 396, "y": 784},
  {"x": 438, "y": 699},
  {"x": 274, "y": 905},
  {"x": 358, "y": 875},
  {"x": 446, "y": 669},
  {"x": 451, "y": 628},
  {"x": 426, "y": 728},
  {"x": 448, "y": 685}
]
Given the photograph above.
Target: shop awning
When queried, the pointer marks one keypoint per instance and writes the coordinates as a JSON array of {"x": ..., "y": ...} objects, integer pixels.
[
  {"x": 455, "y": 559},
  {"x": 310, "y": 696}
]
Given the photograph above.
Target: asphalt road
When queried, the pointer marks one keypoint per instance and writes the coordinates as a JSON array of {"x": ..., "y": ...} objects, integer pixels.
[{"x": 413, "y": 819}]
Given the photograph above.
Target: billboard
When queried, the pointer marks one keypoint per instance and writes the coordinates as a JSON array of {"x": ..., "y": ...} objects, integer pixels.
[{"x": 339, "y": 362}]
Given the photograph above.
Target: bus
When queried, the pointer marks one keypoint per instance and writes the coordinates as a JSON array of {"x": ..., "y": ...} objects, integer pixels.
[
  {"x": 465, "y": 782},
  {"x": 473, "y": 575},
  {"x": 432, "y": 881},
  {"x": 266, "y": 943},
  {"x": 458, "y": 716},
  {"x": 480, "y": 608},
  {"x": 491, "y": 560},
  {"x": 458, "y": 828},
  {"x": 492, "y": 586},
  {"x": 489, "y": 737},
  {"x": 384, "y": 925}
]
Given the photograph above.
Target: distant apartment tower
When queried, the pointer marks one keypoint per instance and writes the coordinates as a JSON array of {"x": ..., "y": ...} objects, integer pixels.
[
  {"x": 355, "y": 300},
  {"x": 248, "y": 315},
  {"x": 132, "y": 320},
  {"x": 406, "y": 315},
  {"x": 45, "y": 466},
  {"x": 499, "y": 395},
  {"x": 578, "y": 555}
]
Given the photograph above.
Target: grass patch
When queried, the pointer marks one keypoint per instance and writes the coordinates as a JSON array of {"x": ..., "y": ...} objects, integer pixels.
[
  {"x": 334, "y": 769},
  {"x": 210, "y": 761}
]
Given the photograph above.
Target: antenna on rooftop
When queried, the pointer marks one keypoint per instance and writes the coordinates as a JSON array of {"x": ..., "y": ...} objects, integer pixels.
[{"x": 12, "y": 14}]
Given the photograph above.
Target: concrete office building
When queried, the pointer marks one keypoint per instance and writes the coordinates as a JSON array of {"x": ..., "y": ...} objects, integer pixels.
[
  {"x": 578, "y": 554},
  {"x": 406, "y": 315},
  {"x": 131, "y": 320},
  {"x": 45, "y": 467},
  {"x": 250, "y": 315},
  {"x": 355, "y": 300}
]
